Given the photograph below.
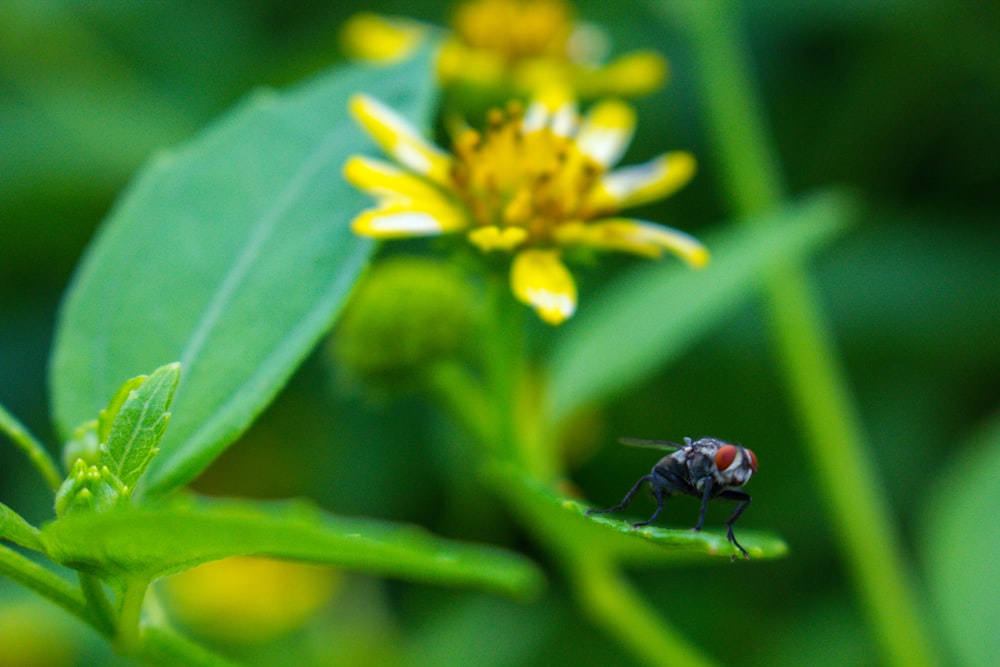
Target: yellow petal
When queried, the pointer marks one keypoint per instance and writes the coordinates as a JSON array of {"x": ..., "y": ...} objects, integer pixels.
[
  {"x": 554, "y": 108},
  {"x": 494, "y": 238},
  {"x": 396, "y": 219},
  {"x": 606, "y": 131},
  {"x": 457, "y": 62},
  {"x": 642, "y": 183},
  {"x": 401, "y": 140},
  {"x": 637, "y": 237},
  {"x": 540, "y": 279},
  {"x": 386, "y": 181},
  {"x": 379, "y": 39},
  {"x": 631, "y": 75}
]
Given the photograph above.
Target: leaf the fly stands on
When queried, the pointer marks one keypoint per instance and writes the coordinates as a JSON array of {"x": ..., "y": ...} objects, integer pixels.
[
  {"x": 232, "y": 254},
  {"x": 684, "y": 540},
  {"x": 160, "y": 539},
  {"x": 139, "y": 425},
  {"x": 562, "y": 518}
]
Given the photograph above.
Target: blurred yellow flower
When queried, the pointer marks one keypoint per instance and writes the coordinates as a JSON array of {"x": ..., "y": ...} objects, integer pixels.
[
  {"x": 247, "y": 598},
  {"x": 535, "y": 182},
  {"x": 33, "y": 634},
  {"x": 518, "y": 47}
]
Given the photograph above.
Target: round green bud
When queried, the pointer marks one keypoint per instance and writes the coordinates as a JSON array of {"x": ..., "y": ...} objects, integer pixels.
[{"x": 405, "y": 314}]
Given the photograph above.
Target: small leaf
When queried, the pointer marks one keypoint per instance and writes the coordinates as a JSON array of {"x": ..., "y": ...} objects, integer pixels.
[
  {"x": 13, "y": 527},
  {"x": 139, "y": 424},
  {"x": 654, "y": 312},
  {"x": 232, "y": 254},
  {"x": 106, "y": 417},
  {"x": 565, "y": 519},
  {"x": 153, "y": 541}
]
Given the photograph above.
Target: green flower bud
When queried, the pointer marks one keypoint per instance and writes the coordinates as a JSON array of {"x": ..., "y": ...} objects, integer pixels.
[
  {"x": 406, "y": 313},
  {"x": 89, "y": 487},
  {"x": 85, "y": 444}
]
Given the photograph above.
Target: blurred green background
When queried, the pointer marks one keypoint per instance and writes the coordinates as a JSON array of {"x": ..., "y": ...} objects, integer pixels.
[{"x": 898, "y": 99}]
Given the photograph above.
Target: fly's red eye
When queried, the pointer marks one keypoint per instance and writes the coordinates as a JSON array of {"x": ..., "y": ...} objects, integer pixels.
[
  {"x": 753, "y": 459},
  {"x": 725, "y": 456}
]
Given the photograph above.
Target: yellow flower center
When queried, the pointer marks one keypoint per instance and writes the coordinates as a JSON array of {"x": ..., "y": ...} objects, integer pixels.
[
  {"x": 519, "y": 185},
  {"x": 515, "y": 29}
]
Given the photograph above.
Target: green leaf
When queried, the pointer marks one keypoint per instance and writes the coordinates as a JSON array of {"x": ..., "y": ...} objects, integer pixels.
[
  {"x": 961, "y": 544},
  {"x": 655, "y": 311},
  {"x": 556, "y": 517},
  {"x": 13, "y": 527},
  {"x": 106, "y": 417},
  {"x": 231, "y": 254},
  {"x": 153, "y": 541},
  {"x": 139, "y": 425}
]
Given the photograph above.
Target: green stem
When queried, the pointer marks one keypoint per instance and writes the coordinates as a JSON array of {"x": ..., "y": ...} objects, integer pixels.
[
  {"x": 605, "y": 595},
  {"x": 97, "y": 600},
  {"x": 820, "y": 392},
  {"x": 612, "y": 602},
  {"x": 128, "y": 638},
  {"x": 460, "y": 393},
  {"x": 504, "y": 362},
  {"x": 26, "y": 572},
  {"x": 157, "y": 645},
  {"x": 514, "y": 390},
  {"x": 162, "y": 646},
  {"x": 32, "y": 448}
]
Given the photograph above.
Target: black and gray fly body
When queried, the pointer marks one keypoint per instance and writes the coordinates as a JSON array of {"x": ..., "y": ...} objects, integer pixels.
[{"x": 706, "y": 468}]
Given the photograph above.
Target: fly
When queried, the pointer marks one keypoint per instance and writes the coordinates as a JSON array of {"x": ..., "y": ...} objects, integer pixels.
[{"x": 706, "y": 468}]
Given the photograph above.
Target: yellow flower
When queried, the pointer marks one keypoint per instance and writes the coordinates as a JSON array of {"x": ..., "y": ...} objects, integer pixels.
[
  {"x": 535, "y": 182},
  {"x": 517, "y": 46},
  {"x": 250, "y": 598}
]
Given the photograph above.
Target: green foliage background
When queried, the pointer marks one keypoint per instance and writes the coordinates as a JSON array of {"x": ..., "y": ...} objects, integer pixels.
[{"x": 900, "y": 100}]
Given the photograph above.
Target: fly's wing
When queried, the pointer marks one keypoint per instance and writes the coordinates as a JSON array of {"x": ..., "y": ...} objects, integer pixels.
[{"x": 665, "y": 445}]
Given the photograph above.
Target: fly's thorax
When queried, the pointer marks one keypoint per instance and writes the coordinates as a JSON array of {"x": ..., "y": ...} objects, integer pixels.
[{"x": 730, "y": 465}]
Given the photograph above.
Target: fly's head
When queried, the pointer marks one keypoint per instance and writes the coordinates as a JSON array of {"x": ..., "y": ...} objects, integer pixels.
[{"x": 734, "y": 465}]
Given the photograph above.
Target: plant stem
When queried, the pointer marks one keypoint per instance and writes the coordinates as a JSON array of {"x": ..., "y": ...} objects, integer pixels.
[
  {"x": 32, "y": 448},
  {"x": 516, "y": 392},
  {"x": 613, "y": 603},
  {"x": 505, "y": 363},
  {"x": 819, "y": 390},
  {"x": 128, "y": 638},
  {"x": 605, "y": 595},
  {"x": 157, "y": 645},
  {"x": 163, "y": 646},
  {"x": 460, "y": 393},
  {"x": 26, "y": 572},
  {"x": 93, "y": 593}
]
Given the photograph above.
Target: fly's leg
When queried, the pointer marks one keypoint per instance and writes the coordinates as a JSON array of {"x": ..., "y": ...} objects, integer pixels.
[
  {"x": 626, "y": 500},
  {"x": 743, "y": 499},
  {"x": 705, "y": 497},
  {"x": 658, "y": 494}
]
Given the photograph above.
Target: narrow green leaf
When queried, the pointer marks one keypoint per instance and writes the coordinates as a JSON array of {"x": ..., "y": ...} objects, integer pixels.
[
  {"x": 30, "y": 574},
  {"x": 961, "y": 543},
  {"x": 231, "y": 254},
  {"x": 106, "y": 417},
  {"x": 13, "y": 527},
  {"x": 139, "y": 424},
  {"x": 32, "y": 448},
  {"x": 656, "y": 310},
  {"x": 159, "y": 540},
  {"x": 556, "y": 517}
]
